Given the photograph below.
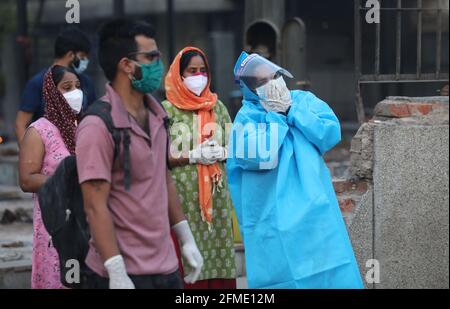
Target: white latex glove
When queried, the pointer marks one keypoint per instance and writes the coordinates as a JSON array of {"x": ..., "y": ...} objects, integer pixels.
[
  {"x": 206, "y": 153},
  {"x": 189, "y": 250},
  {"x": 118, "y": 277},
  {"x": 223, "y": 154},
  {"x": 275, "y": 96},
  {"x": 197, "y": 155},
  {"x": 215, "y": 152}
]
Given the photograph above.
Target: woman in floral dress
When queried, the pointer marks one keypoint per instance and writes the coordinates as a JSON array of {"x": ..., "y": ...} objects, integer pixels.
[
  {"x": 197, "y": 155},
  {"x": 46, "y": 143}
]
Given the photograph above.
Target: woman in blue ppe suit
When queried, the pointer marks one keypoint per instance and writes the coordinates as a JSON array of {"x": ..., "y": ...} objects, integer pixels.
[{"x": 293, "y": 231}]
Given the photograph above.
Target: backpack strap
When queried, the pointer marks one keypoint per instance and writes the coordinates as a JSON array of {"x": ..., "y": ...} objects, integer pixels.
[
  {"x": 167, "y": 126},
  {"x": 102, "y": 110},
  {"x": 127, "y": 161}
]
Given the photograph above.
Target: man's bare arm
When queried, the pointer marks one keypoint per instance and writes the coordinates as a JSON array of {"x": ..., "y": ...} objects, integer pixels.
[
  {"x": 95, "y": 197},
  {"x": 178, "y": 162},
  {"x": 176, "y": 214}
]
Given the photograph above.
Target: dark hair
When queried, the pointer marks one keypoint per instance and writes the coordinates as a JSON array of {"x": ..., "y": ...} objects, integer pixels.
[
  {"x": 71, "y": 39},
  {"x": 58, "y": 72},
  {"x": 117, "y": 41},
  {"x": 186, "y": 59}
]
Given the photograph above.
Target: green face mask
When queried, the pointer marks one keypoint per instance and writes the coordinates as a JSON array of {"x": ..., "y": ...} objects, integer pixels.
[{"x": 152, "y": 74}]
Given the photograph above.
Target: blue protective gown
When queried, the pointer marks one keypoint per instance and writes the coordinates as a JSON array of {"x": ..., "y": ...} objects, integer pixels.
[{"x": 293, "y": 231}]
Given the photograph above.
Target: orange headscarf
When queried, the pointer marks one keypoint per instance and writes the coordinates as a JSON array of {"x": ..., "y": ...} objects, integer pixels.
[{"x": 181, "y": 97}]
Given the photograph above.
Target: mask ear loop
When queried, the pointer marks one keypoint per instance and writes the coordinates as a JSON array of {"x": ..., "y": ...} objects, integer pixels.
[{"x": 133, "y": 78}]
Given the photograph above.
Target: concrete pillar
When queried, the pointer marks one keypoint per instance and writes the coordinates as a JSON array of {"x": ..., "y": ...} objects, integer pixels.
[
  {"x": 13, "y": 81},
  {"x": 221, "y": 53},
  {"x": 403, "y": 219},
  {"x": 264, "y": 20},
  {"x": 273, "y": 10},
  {"x": 411, "y": 196}
]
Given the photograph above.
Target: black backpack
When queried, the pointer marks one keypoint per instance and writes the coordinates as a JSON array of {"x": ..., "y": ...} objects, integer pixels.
[{"x": 61, "y": 203}]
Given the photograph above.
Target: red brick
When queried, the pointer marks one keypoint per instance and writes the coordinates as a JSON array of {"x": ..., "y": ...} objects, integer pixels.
[
  {"x": 346, "y": 204},
  {"x": 423, "y": 109},
  {"x": 361, "y": 186},
  {"x": 340, "y": 186},
  {"x": 348, "y": 186},
  {"x": 402, "y": 109},
  {"x": 399, "y": 110}
]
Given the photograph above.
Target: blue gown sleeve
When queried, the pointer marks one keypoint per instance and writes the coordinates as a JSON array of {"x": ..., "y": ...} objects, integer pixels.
[
  {"x": 256, "y": 139},
  {"x": 315, "y": 119}
]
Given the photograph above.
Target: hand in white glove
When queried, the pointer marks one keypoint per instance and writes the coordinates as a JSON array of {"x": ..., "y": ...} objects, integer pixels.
[
  {"x": 207, "y": 153},
  {"x": 189, "y": 250},
  {"x": 199, "y": 155},
  {"x": 215, "y": 152},
  {"x": 118, "y": 277},
  {"x": 275, "y": 96},
  {"x": 223, "y": 154}
]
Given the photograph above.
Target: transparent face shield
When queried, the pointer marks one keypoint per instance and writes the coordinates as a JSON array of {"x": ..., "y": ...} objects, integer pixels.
[{"x": 255, "y": 71}]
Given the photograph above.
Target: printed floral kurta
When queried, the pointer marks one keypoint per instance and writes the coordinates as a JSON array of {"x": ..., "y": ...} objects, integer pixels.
[
  {"x": 216, "y": 246},
  {"x": 45, "y": 271}
]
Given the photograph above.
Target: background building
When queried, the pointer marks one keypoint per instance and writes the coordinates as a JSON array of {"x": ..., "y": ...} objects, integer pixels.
[{"x": 314, "y": 39}]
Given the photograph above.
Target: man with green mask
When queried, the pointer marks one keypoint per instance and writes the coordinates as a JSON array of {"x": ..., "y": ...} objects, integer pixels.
[{"x": 130, "y": 224}]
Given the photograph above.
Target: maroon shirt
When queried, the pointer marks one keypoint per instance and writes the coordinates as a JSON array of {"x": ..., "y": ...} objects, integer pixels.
[{"x": 140, "y": 216}]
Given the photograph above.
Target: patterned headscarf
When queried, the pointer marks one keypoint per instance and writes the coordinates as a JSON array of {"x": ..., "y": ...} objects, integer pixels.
[{"x": 59, "y": 112}]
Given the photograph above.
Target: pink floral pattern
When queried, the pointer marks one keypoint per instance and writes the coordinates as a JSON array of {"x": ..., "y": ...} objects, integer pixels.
[{"x": 45, "y": 263}]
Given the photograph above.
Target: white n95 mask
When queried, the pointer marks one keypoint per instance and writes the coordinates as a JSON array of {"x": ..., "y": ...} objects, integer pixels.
[
  {"x": 75, "y": 100},
  {"x": 196, "y": 84}
]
